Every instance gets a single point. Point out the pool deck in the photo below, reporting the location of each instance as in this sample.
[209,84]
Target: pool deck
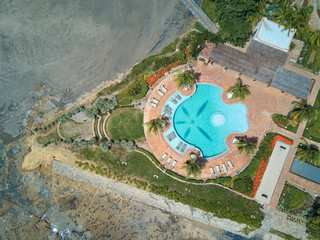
[261,104]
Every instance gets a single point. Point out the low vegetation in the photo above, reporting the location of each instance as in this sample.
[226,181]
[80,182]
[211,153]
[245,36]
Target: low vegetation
[285,122]
[292,198]
[125,123]
[312,130]
[138,168]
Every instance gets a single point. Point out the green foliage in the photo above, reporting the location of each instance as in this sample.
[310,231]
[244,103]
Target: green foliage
[283,235]
[61,117]
[170,48]
[243,185]
[234,18]
[155,125]
[303,111]
[185,79]
[129,145]
[313,225]
[208,198]
[102,105]
[279,118]
[292,198]
[199,27]
[309,154]
[244,146]
[164,61]
[263,151]
[192,168]
[239,90]
[125,123]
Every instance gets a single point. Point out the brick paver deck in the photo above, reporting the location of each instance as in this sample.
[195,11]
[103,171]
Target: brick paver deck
[261,104]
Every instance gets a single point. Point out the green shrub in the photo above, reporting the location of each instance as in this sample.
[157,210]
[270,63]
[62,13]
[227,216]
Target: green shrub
[279,118]
[292,197]
[170,48]
[243,185]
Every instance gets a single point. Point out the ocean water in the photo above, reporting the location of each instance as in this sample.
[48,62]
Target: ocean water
[204,120]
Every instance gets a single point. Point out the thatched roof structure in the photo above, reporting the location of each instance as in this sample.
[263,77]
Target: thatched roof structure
[262,62]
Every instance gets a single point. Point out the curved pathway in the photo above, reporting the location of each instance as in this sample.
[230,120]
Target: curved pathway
[98,127]
[58,130]
[193,183]
[104,125]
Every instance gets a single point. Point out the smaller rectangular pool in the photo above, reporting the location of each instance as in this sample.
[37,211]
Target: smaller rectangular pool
[305,170]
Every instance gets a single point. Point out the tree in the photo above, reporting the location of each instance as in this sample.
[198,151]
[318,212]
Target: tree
[155,125]
[313,225]
[315,37]
[260,11]
[192,167]
[239,90]
[244,146]
[303,111]
[185,79]
[307,153]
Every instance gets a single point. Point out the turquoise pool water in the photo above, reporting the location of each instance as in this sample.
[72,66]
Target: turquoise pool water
[204,121]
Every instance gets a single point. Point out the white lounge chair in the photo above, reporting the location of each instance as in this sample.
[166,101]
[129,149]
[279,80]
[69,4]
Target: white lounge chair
[155,100]
[163,89]
[230,164]
[211,171]
[153,104]
[218,169]
[173,164]
[168,161]
[163,157]
[160,93]
[224,167]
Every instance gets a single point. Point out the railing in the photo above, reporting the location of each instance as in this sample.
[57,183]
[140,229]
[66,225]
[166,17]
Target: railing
[214,27]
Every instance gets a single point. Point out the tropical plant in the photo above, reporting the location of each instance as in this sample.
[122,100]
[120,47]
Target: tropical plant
[307,153]
[185,79]
[303,111]
[313,225]
[244,146]
[260,11]
[315,37]
[155,125]
[192,167]
[239,90]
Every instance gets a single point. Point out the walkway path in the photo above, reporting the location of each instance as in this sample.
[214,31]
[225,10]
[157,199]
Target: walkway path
[200,15]
[98,127]
[285,174]
[104,125]
[145,197]
[58,130]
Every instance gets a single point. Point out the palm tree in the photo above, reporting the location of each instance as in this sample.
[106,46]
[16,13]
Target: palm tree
[254,16]
[286,16]
[303,111]
[192,167]
[244,146]
[155,125]
[315,37]
[308,154]
[239,90]
[185,79]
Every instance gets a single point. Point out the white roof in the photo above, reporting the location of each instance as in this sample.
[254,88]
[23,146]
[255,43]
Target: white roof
[273,34]
[272,173]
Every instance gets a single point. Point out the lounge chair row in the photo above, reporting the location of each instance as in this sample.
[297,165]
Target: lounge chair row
[168,160]
[223,167]
[162,91]
[154,102]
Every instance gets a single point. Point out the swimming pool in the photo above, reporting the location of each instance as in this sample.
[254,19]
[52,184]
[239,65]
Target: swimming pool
[305,170]
[203,120]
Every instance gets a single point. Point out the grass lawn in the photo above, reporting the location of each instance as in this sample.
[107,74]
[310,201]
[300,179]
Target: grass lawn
[292,198]
[209,198]
[312,131]
[208,7]
[51,136]
[125,123]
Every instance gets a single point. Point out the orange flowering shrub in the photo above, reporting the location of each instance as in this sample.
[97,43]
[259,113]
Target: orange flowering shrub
[159,74]
[264,163]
